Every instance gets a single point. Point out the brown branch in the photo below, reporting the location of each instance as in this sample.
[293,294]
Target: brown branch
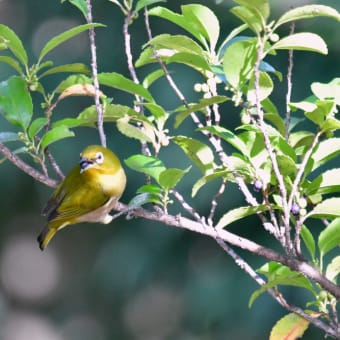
[243,243]
[100,114]
[27,168]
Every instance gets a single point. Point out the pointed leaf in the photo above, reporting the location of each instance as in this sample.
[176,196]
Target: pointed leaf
[333,269]
[261,6]
[119,82]
[303,42]
[169,178]
[148,165]
[308,240]
[144,3]
[328,208]
[326,183]
[265,88]
[252,18]
[14,44]
[60,38]
[80,4]
[325,151]
[242,212]
[36,126]
[74,68]
[290,327]
[54,135]
[152,77]
[8,137]
[308,11]
[329,238]
[16,102]
[198,152]
[132,131]
[11,62]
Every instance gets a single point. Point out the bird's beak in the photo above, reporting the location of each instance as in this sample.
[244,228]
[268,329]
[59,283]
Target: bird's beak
[85,163]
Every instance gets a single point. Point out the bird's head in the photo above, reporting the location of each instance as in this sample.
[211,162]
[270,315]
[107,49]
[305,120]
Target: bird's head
[98,158]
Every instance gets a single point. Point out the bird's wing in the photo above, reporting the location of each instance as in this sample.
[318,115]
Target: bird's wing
[75,199]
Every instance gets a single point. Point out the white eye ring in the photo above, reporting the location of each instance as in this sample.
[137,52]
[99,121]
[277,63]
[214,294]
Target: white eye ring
[99,158]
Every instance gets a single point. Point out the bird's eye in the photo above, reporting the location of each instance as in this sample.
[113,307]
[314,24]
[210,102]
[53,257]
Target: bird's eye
[99,158]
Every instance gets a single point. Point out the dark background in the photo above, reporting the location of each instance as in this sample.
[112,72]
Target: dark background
[132,279]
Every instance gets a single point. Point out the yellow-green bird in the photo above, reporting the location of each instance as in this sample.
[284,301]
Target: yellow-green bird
[87,194]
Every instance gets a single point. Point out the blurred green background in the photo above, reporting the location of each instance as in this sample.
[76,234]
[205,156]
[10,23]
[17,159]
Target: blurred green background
[132,279]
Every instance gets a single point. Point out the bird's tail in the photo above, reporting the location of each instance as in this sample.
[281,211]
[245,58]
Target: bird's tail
[45,236]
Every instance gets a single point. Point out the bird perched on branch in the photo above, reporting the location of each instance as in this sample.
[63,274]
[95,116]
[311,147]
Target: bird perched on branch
[87,194]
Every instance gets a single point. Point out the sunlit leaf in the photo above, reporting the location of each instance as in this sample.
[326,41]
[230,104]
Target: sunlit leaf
[144,3]
[60,38]
[241,212]
[122,83]
[36,126]
[328,208]
[68,68]
[16,102]
[333,269]
[197,151]
[308,11]
[54,135]
[290,327]
[14,44]
[329,238]
[303,42]
[148,165]
[169,178]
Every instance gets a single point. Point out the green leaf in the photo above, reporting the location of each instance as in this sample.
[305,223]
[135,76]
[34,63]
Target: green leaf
[119,82]
[325,183]
[178,20]
[238,62]
[250,17]
[291,326]
[156,110]
[208,178]
[229,137]
[303,42]
[112,112]
[328,91]
[148,165]
[11,62]
[80,4]
[54,135]
[308,240]
[325,151]
[200,106]
[150,189]
[70,68]
[260,6]
[277,275]
[306,12]
[241,212]
[169,178]
[205,22]
[195,61]
[132,131]
[60,38]
[328,208]
[8,137]
[36,126]
[144,3]
[329,238]
[74,79]
[14,44]
[197,151]
[16,102]
[265,88]
[333,269]
[71,122]
[152,77]
[179,43]
[143,198]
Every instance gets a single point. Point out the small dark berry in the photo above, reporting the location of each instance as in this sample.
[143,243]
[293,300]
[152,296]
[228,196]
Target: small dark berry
[258,185]
[295,209]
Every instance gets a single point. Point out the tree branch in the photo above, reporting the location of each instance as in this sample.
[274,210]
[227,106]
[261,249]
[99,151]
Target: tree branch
[100,114]
[27,168]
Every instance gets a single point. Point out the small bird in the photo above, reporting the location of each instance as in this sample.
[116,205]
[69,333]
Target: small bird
[87,194]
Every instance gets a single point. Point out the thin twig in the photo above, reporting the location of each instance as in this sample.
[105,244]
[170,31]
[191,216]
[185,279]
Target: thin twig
[294,264]
[54,164]
[100,114]
[273,293]
[289,82]
[27,168]
[186,206]
[214,202]
[270,150]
